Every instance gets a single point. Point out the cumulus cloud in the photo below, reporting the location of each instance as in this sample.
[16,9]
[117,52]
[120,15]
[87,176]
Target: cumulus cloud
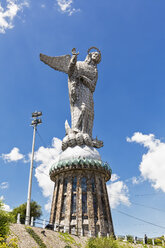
[46,157]
[4,185]
[114,177]
[8,13]
[13,156]
[137,180]
[118,192]
[5,207]
[65,6]
[152,166]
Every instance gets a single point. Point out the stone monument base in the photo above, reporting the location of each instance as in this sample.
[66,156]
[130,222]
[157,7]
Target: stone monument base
[80,202]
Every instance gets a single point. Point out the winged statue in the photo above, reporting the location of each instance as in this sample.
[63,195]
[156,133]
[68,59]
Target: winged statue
[82,79]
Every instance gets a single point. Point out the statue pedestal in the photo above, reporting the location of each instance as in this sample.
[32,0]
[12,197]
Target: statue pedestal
[80,201]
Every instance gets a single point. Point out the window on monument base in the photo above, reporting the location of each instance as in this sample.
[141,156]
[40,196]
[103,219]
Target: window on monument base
[84,184]
[65,185]
[85,217]
[58,187]
[101,186]
[74,184]
[73,203]
[84,203]
[93,184]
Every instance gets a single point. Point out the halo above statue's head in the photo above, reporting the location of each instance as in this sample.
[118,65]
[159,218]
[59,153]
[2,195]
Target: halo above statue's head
[97,51]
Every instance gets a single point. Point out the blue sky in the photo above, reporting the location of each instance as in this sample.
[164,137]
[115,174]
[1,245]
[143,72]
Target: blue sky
[129,99]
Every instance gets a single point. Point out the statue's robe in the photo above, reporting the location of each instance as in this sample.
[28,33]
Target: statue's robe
[81,97]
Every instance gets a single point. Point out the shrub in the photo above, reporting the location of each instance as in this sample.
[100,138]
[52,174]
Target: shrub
[12,243]
[69,240]
[130,238]
[158,241]
[149,241]
[102,242]
[5,220]
[35,237]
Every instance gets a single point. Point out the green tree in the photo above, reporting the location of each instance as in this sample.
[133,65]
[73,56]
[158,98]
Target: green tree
[5,220]
[35,211]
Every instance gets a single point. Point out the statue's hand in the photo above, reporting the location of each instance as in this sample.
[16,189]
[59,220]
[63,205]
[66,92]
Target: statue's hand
[74,51]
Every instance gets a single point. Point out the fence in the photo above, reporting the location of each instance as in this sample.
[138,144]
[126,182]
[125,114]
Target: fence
[145,240]
[42,223]
[72,229]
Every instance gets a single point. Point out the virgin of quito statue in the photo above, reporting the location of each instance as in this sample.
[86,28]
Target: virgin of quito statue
[80,202]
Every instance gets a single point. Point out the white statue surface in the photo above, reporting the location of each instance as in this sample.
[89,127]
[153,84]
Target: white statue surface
[82,79]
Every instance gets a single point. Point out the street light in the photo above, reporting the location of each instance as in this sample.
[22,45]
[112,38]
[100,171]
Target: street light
[34,123]
[36,114]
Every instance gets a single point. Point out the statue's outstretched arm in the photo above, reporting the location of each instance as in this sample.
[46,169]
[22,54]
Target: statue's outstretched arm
[73,62]
[72,65]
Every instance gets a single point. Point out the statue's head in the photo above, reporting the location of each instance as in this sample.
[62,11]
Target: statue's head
[94,57]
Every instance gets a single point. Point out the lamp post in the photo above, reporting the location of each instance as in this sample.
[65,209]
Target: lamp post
[34,123]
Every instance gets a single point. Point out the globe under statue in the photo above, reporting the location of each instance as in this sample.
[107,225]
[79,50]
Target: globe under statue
[80,202]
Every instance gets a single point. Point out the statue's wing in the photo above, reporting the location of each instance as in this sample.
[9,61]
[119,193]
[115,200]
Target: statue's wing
[60,63]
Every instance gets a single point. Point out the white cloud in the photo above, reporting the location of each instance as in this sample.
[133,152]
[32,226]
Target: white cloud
[137,180]
[43,5]
[13,156]
[117,192]
[66,6]
[8,13]
[4,185]
[152,166]
[2,198]
[46,156]
[114,177]
[5,206]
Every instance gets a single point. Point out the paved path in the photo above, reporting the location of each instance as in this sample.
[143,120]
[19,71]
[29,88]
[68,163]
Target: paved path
[51,239]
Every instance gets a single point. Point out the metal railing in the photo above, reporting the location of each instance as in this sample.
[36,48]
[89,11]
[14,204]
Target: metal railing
[72,229]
